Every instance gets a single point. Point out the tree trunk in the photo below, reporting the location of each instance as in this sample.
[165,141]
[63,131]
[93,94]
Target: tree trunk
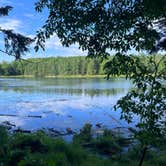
[143,156]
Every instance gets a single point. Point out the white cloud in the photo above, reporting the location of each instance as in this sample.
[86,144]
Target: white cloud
[55,44]
[73,51]
[5,1]
[13,24]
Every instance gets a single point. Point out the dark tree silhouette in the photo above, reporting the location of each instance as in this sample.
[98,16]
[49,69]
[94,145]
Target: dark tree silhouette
[15,44]
[103,25]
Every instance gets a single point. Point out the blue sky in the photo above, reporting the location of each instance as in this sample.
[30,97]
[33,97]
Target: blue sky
[25,20]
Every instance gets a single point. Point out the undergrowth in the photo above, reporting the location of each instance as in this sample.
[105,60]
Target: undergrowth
[37,149]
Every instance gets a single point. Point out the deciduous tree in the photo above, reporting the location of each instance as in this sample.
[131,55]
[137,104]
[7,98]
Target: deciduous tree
[100,26]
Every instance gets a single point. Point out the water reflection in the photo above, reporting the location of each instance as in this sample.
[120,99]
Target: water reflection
[90,87]
[88,92]
[61,102]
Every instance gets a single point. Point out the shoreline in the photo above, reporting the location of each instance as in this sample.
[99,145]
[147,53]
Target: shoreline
[62,76]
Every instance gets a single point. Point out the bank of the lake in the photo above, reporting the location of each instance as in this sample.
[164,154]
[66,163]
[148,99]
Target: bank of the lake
[54,76]
[61,76]
[38,149]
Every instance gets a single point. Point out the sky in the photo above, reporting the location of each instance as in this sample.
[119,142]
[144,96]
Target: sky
[25,20]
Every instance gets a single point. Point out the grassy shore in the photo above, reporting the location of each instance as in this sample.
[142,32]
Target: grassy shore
[76,76]
[62,76]
[18,76]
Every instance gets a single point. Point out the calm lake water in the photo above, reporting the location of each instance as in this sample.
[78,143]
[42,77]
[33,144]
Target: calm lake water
[61,103]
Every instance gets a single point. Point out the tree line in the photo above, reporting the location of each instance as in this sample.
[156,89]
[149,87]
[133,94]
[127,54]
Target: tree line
[53,66]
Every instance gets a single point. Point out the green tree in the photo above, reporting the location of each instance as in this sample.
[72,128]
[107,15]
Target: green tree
[102,25]
[119,25]
[148,98]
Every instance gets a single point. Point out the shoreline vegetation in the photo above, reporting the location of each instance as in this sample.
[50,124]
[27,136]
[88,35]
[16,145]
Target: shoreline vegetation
[85,149]
[61,76]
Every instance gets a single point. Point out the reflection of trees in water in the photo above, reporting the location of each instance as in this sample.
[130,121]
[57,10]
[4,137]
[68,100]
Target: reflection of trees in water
[89,92]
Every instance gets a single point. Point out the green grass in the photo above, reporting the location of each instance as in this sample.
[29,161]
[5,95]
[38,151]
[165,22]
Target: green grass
[17,76]
[76,76]
[62,76]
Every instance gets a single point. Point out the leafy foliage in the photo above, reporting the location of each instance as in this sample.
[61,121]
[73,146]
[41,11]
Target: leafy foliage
[37,149]
[148,98]
[120,25]
[16,44]
[103,25]
[5,10]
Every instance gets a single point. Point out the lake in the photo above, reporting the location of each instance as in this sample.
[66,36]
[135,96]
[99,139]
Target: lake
[57,103]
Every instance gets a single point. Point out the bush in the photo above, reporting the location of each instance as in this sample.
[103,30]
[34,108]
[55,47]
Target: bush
[37,149]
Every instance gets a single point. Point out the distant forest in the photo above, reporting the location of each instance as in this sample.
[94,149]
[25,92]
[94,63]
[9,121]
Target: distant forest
[53,66]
